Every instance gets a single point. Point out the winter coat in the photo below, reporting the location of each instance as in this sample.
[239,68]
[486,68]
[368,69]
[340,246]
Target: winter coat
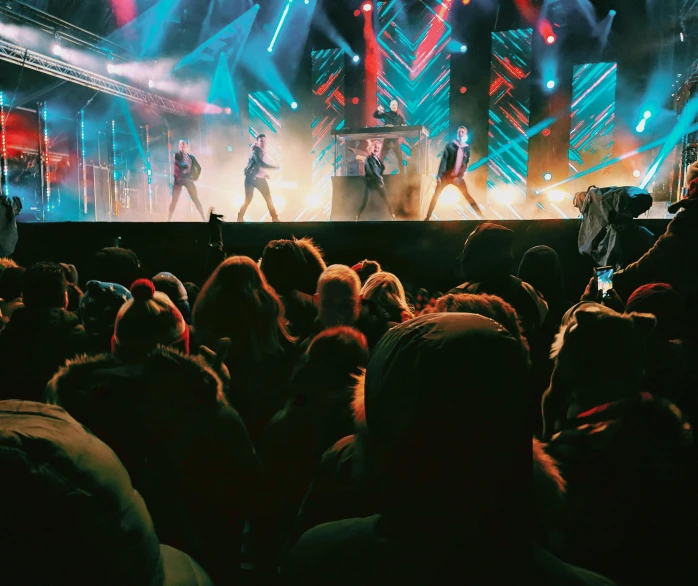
[69,511]
[188,453]
[33,345]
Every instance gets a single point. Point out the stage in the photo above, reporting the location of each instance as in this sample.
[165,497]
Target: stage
[421,253]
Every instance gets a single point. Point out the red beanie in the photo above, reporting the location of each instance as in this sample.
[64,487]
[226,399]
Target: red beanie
[146,321]
[659,299]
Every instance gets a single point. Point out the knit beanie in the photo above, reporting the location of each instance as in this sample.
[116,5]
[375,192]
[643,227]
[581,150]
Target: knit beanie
[659,299]
[100,305]
[171,286]
[146,321]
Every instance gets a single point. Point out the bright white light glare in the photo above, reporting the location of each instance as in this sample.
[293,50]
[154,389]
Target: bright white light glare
[505,196]
[647,114]
[450,195]
[110,68]
[313,200]
[636,173]
[56,49]
[550,84]
[270,48]
[151,83]
[550,39]
[548,176]
[279,202]
[681,36]
[641,126]
[537,192]
[355,58]
[463,48]
[367,7]
[294,105]
[556,195]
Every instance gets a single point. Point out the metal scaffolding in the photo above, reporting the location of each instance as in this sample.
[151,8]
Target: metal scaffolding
[58,68]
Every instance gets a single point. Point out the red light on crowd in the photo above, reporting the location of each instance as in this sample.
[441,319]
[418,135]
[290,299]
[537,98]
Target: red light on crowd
[367,7]
[355,100]
[550,39]
[463,89]
[546,132]
[357,12]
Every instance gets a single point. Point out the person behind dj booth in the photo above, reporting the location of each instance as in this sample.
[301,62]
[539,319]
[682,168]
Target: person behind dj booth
[374,168]
[452,170]
[392,117]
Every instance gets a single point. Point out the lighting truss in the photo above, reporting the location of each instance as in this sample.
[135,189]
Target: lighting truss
[57,68]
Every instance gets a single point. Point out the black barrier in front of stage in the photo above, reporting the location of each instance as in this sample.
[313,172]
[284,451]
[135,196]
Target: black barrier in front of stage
[405,192]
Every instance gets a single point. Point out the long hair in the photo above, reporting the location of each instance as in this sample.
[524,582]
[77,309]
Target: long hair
[386,291]
[237,303]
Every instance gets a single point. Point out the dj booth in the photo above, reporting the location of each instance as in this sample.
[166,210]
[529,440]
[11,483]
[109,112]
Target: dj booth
[407,191]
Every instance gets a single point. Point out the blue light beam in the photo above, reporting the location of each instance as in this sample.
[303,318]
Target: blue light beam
[278,28]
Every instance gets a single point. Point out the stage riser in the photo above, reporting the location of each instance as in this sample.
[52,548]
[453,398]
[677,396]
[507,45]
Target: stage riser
[420,253]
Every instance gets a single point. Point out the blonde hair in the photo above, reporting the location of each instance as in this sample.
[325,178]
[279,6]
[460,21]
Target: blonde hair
[386,291]
[238,303]
[340,274]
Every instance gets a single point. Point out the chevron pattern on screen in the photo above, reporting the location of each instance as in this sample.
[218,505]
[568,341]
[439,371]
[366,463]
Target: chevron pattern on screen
[509,111]
[416,68]
[327,106]
[593,116]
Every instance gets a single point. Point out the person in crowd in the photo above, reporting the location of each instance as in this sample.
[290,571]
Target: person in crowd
[171,286]
[238,303]
[366,268]
[114,265]
[74,296]
[386,291]
[318,414]
[438,521]
[98,310]
[71,273]
[11,290]
[166,416]
[285,267]
[193,291]
[9,210]
[486,264]
[7,263]
[62,481]
[488,305]
[41,335]
[422,300]
[627,455]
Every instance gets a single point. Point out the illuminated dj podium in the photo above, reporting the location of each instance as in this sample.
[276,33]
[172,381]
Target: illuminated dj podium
[406,190]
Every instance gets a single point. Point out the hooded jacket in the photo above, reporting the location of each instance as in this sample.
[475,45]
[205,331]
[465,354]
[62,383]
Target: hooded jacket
[72,514]
[188,453]
[448,160]
[33,345]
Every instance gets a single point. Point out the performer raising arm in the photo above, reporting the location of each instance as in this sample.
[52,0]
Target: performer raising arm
[186,171]
[392,117]
[374,180]
[452,170]
[256,178]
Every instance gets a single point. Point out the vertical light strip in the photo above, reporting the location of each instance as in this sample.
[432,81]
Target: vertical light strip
[3,145]
[47,172]
[278,28]
[83,162]
[148,169]
[113,162]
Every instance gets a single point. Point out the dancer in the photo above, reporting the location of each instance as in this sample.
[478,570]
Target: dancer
[452,170]
[186,171]
[392,117]
[256,178]
[374,180]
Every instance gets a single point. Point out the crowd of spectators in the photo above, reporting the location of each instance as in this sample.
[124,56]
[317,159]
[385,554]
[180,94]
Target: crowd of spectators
[293,421]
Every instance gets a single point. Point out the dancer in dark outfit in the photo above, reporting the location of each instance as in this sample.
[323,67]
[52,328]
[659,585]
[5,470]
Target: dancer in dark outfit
[452,170]
[374,181]
[392,117]
[186,171]
[256,178]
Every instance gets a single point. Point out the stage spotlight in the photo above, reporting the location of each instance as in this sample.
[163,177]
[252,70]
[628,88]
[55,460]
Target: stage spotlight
[647,115]
[548,176]
[546,132]
[550,39]
[612,13]
[463,89]
[228,111]
[307,1]
[550,84]
[294,105]
[357,12]
[229,148]
[56,49]
[556,195]
[636,173]
[537,192]
[110,68]
[641,126]
[466,2]
[151,83]
[463,48]
[355,58]
[505,196]
[355,100]
[367,7]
